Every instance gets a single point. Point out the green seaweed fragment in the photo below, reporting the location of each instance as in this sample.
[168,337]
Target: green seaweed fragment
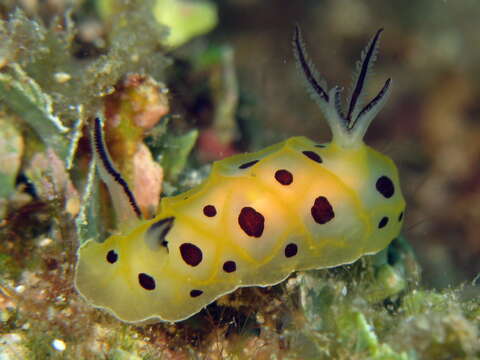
[219,63]
[11,151]
[24,96]
[186,19]
[175,152]
[354,329]
[87,221]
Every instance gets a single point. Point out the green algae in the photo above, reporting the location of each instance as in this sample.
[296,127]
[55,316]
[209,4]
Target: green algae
[400,320]
[53,90]
[24,96]
[174,153]
[11,152]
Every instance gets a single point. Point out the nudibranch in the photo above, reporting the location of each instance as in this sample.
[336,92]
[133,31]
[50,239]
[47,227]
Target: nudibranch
[295,205]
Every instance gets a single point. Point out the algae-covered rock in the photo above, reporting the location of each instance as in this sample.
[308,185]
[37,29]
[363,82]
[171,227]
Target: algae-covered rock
[119,354]
[12,347]
[52,181]
[375,309]
[185,18]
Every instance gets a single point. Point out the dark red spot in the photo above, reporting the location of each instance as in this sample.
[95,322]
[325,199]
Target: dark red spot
[385,186]
[195,293]
[209,211]
[383,222]
[229,266]
[251,222]
[112,257]
[146,281]
[284,177]
[248,164]
[400,217]
[291,250]
[320,145]
[191,254]
[322,211]
[312,155]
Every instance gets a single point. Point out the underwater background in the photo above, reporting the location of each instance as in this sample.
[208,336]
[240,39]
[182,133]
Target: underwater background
[205,80]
